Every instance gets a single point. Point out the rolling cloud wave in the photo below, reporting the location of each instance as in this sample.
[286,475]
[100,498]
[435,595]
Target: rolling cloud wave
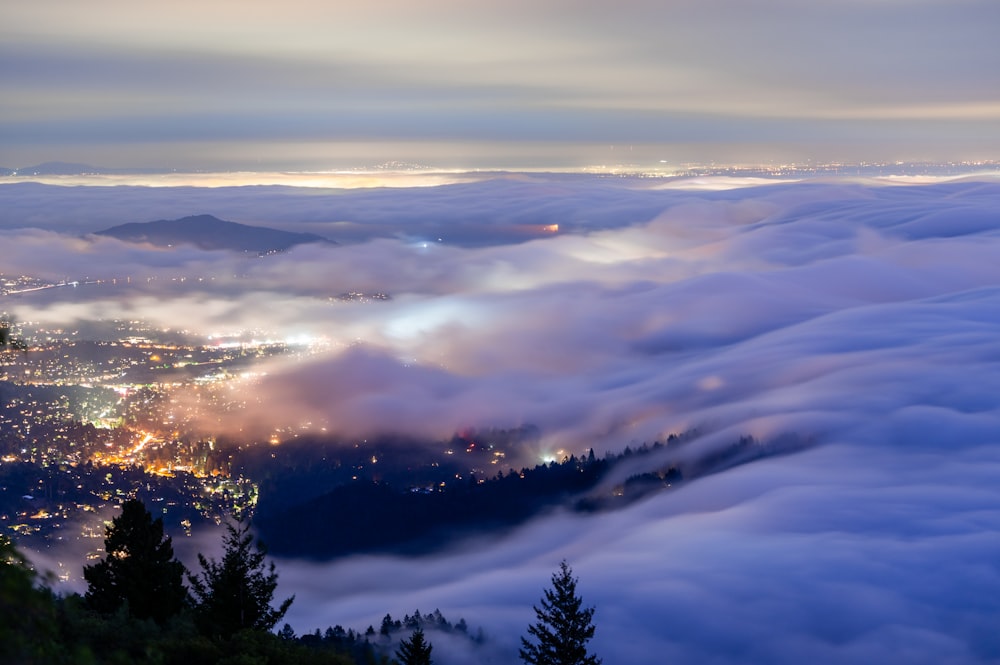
[859,315]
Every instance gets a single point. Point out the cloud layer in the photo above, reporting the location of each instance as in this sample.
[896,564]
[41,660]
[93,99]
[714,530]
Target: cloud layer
[860,315]
[299,83]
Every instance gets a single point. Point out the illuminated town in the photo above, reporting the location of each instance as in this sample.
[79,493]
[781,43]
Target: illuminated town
[85,423]
[117,409]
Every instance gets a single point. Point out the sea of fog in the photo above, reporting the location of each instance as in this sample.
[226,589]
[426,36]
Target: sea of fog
[860,316]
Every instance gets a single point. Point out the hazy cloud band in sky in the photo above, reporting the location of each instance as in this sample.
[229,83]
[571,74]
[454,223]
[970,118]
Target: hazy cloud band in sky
[302,83]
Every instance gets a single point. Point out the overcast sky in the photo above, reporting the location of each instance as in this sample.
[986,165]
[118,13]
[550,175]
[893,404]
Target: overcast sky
[316,84]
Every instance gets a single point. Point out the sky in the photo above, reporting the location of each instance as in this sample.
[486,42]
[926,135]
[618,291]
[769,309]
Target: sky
[306,84]
[857,315]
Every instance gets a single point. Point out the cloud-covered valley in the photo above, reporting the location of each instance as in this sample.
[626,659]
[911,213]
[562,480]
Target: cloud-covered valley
[859,315]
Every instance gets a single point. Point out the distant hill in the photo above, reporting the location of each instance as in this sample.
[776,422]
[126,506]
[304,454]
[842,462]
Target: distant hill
[332,507]
[57,168]
[208,232]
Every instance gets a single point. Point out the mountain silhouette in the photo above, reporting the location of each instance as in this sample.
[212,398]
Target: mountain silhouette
[208,232]
[59,168]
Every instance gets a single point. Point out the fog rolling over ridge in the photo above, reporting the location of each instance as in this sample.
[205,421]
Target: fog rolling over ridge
[860,315]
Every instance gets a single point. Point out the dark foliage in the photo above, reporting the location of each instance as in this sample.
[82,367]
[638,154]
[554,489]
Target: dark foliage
[415,651]
[27,616]
[373,646]
[308,467]
[139,570]
[119,639]
[563,628]
[38,627]
[372,515]
[235,594]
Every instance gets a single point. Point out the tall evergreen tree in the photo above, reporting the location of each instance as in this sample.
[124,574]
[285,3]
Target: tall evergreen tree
[236,593]
[415,651]
[563,627]
[139,568]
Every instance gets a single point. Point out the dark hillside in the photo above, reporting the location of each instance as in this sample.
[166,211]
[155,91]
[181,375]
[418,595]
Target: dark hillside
[208,232]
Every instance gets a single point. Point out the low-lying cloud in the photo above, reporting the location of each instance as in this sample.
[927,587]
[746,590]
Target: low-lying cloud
[860,316]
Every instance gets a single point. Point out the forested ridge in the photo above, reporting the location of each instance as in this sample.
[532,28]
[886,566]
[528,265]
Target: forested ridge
[143,606]
[225,614]
[372,514]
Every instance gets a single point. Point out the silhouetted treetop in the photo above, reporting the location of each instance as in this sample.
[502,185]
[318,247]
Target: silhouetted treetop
[235,593]
[563,626]
[139,569]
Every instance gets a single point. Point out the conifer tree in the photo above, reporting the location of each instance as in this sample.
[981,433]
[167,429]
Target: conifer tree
[235,594]
[563,627]
[415,651]
[139,568]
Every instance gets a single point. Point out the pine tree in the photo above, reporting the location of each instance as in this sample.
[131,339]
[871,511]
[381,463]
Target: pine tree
[236,593]
[563,626]
[139,568]
[386,626]
[415,651]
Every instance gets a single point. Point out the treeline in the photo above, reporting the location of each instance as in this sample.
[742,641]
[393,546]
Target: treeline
[143,606]
[309,466]
[372,645]
[374,516]
[137,607]
[369,514]
[137,611]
